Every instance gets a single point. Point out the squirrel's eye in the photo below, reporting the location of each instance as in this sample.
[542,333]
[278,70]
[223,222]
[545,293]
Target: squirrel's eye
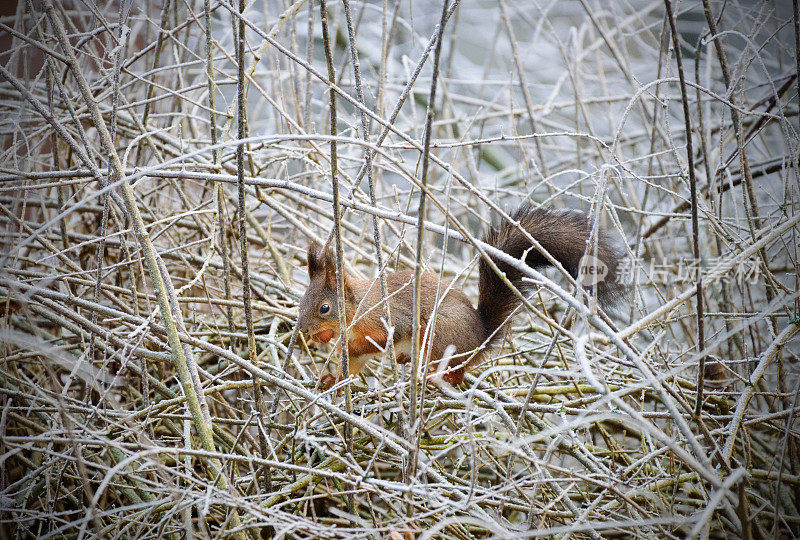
[324,308]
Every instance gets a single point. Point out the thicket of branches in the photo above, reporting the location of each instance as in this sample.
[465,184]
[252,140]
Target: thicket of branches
[153,248]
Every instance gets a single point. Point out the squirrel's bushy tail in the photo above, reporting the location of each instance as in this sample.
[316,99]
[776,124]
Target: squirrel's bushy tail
[565,235]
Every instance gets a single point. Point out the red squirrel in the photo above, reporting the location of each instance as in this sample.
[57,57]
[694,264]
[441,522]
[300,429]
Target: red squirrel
[472,331]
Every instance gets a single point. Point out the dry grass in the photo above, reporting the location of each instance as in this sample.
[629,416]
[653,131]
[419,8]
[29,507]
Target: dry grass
[144,392]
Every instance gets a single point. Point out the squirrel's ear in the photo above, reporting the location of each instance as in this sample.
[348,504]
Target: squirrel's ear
[330,278]
[330,269]
[326,262]
[316,264]
[348,290]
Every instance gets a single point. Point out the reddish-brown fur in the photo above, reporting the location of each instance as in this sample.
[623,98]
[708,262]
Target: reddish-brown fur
[468,329]
[365,335]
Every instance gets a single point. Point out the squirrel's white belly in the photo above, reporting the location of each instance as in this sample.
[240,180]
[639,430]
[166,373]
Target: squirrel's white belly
[402,347]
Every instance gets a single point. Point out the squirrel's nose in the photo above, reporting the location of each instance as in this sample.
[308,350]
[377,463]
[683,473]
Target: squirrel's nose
[303,326]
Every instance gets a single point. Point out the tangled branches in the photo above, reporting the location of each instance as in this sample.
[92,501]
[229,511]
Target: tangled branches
[164,166]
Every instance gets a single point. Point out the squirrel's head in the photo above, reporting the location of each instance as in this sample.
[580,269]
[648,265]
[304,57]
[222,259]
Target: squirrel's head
[319,307]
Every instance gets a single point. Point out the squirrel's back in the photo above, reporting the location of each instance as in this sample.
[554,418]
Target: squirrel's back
[454,311]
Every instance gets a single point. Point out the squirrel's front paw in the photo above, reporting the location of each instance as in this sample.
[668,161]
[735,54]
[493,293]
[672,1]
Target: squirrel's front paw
[454,377]
[327,381]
